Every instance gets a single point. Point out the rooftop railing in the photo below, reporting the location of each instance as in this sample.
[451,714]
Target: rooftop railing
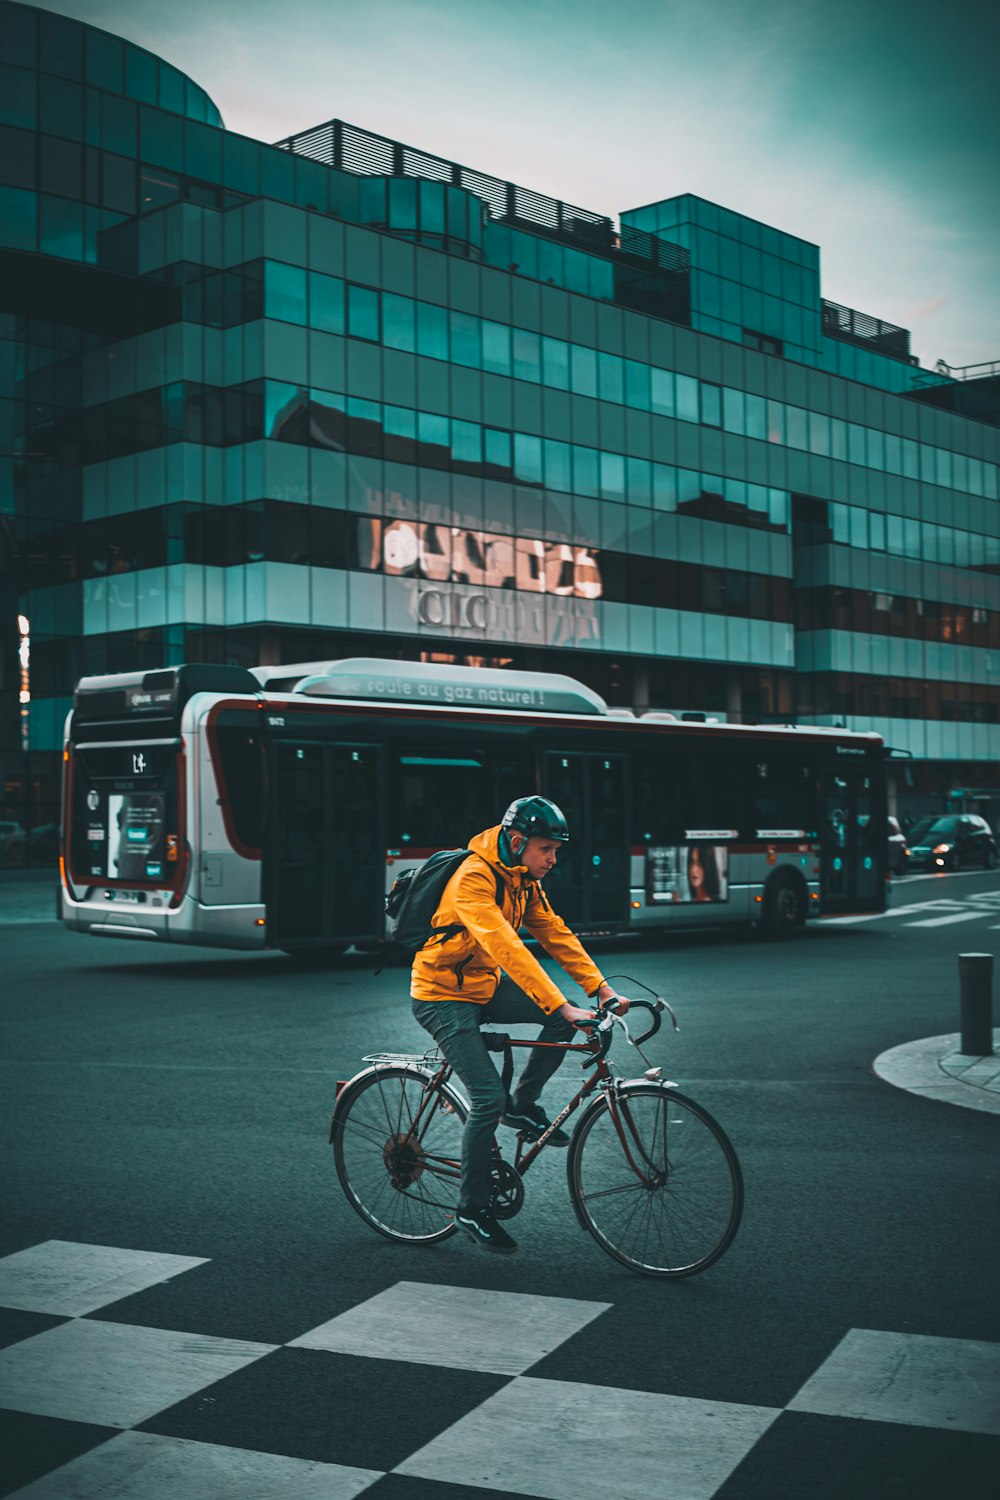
[349,149]
[867,332]
[988,369]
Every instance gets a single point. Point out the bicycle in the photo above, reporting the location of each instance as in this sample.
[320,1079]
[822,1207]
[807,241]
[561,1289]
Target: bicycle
[652,1176]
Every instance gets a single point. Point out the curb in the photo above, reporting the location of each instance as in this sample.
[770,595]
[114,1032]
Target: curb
[935,1069]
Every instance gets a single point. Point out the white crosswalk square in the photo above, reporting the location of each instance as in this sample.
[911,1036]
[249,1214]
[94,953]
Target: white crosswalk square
[586,1442]
[465,1328]
[141,1466]
[114,1374]
[910,1378]
[63,1276]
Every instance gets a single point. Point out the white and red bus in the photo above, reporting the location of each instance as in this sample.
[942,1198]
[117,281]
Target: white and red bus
[274,808]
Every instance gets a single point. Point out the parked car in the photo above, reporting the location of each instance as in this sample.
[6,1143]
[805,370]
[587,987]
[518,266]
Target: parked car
[897,847]
[43,844]
[949,841]
[13,845]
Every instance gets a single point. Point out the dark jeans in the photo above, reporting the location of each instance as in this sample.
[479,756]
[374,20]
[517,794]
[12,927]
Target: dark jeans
[454,1025]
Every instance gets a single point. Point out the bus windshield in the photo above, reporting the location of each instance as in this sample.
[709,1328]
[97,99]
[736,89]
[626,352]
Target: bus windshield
[124,804]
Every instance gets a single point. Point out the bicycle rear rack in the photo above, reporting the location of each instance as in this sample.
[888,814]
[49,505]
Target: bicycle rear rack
[429,1059]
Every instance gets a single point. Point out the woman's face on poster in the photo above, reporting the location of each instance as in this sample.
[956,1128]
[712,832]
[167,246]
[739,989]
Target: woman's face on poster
[696,870]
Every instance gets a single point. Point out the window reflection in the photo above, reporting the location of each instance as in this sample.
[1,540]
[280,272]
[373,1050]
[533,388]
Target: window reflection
[480,343]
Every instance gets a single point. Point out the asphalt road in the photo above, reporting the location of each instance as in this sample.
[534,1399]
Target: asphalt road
[178,1102]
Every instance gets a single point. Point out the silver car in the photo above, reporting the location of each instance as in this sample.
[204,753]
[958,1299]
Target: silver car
[897,847]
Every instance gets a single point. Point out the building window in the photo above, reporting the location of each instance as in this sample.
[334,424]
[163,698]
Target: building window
[711,404]
[762,341]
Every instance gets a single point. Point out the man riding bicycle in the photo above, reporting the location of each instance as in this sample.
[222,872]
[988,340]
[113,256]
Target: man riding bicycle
[482,973]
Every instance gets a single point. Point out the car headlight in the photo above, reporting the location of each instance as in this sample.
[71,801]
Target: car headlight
[942,848]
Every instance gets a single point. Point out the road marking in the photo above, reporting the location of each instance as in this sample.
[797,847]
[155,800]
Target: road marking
[944,905]
[71,1279]
[115,1374]
[896,911]
[465,1328]
[953,909]
[915,1379]
[962,916]
[134,1464]
[555,1457]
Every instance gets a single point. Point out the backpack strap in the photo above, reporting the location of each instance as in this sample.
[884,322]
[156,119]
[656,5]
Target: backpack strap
[442,934]
[496,876]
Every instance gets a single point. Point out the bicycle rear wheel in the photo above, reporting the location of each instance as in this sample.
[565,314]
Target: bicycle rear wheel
[656,1181]
[396,1148]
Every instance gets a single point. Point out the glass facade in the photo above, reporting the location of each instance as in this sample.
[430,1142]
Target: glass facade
[263,406]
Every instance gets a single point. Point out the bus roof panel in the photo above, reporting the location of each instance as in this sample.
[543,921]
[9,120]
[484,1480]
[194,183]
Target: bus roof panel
[372,679]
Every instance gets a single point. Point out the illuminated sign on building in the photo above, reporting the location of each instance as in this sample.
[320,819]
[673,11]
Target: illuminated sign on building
[450,554]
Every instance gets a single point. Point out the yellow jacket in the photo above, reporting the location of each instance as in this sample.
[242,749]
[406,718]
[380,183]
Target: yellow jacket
[467,966]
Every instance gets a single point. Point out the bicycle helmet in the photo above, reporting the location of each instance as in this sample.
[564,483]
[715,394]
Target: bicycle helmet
[535,817]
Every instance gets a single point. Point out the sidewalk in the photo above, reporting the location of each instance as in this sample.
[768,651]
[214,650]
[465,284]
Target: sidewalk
[936,1069]
[28,895]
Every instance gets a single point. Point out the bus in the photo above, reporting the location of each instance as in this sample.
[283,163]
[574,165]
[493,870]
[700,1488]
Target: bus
[274,808]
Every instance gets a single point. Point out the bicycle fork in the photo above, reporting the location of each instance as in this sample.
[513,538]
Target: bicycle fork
[653,1176]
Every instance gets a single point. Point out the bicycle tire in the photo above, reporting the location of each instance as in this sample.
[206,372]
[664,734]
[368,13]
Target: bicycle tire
[683,1215]
[382,1171]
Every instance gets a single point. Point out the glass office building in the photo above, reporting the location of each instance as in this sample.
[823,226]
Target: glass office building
[336,396]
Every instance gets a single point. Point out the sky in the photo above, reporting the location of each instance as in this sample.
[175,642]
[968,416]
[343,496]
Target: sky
[869,127]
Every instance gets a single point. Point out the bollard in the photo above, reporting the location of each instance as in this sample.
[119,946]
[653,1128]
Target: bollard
[975,973]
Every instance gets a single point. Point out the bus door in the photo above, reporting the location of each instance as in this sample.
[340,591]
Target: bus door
[324,867]
[590,883]
[853,840]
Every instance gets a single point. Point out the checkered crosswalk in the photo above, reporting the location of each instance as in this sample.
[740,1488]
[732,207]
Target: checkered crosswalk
[113,1408]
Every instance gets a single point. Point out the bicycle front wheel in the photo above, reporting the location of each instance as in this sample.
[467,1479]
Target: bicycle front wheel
[397,1144]
[655,1180]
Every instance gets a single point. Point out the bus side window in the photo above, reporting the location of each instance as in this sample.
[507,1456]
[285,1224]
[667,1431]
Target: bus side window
[509,774]
[439,801]
[654,812]
[239,774]
[708,792]
[779,793]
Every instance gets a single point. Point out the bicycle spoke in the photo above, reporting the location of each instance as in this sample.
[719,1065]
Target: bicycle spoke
[397,1154]
[610,1192]
[670,1203]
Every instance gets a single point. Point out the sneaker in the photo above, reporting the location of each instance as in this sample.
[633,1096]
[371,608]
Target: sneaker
[532,1121]
[485,1230]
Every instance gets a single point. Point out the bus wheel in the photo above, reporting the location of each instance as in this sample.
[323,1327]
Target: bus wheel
[784,907]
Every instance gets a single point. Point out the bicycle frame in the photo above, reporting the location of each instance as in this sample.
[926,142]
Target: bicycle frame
[528,1152]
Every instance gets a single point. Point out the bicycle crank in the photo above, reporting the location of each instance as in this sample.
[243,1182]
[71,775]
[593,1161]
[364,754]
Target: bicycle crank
[508,1191]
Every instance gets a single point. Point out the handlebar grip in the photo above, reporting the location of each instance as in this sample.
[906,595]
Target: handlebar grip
[655,1012]
[604,1037]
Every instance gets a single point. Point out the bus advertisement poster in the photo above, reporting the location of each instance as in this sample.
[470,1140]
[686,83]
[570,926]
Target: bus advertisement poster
[687,873]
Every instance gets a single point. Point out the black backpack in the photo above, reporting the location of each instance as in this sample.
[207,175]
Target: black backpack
[416,895]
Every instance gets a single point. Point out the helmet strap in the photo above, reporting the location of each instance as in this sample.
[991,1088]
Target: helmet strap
[506,852]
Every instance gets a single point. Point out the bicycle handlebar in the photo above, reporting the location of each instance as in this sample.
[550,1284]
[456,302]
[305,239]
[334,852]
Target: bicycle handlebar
[605,1026]
[655,1008]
